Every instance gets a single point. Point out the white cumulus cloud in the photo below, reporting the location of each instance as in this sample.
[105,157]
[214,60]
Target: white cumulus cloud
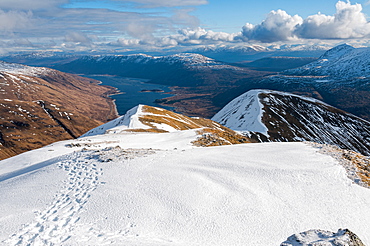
[278,26]
[348,22]
[200,34]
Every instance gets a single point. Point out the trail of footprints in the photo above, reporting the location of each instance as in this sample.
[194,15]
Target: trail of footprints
[54,225]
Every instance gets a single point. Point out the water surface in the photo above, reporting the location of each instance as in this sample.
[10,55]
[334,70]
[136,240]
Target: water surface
[131,92]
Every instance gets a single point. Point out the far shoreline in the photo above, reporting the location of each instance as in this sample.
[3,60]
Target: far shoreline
[113,91]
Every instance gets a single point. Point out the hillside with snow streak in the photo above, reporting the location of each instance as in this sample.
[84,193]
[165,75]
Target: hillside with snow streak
[284,117]
[342,62]
[39,106]
[152,188]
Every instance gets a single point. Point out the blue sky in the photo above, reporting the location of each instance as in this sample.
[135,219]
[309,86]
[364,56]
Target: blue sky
[144,25]
[237,12]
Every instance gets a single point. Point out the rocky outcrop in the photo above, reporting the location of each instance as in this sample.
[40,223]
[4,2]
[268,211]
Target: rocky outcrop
[343,237]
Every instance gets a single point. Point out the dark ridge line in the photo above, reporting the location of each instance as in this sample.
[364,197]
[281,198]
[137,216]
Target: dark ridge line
[48,112]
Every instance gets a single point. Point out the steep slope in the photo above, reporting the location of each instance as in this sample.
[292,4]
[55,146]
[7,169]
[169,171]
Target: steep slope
[343,62]
[277,116]
[150,188]
[39,106]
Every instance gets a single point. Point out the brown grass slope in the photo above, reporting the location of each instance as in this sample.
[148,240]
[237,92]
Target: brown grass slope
[36,111]
[210,133]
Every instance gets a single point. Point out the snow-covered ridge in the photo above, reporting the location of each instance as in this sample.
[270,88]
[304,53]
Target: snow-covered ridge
[342,62]
[245,112]
[128,121]
[281,116]
[154,189]
[191,60]
[14,68]
[144,118]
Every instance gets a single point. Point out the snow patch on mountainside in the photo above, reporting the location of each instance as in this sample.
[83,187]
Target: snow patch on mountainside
[190,60]
[342,62]
[244,113]
[128,121]
[14,68]
[286,117]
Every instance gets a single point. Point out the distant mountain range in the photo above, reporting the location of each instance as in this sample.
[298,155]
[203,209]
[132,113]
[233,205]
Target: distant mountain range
[183,69]
[341,62]
[255,52]
[230,54]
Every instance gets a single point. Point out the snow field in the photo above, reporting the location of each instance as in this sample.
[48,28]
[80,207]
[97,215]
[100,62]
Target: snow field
[249,194]
[243,113]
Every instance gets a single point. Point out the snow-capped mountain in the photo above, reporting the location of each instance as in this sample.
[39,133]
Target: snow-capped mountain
[254,52]
[14,68]
[46,59]
[176,70]
[343,62]
[279,116]
[188,60]
[119,187]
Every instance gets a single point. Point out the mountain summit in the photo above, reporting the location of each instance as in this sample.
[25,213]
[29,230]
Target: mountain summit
[144,118]
[284,117]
